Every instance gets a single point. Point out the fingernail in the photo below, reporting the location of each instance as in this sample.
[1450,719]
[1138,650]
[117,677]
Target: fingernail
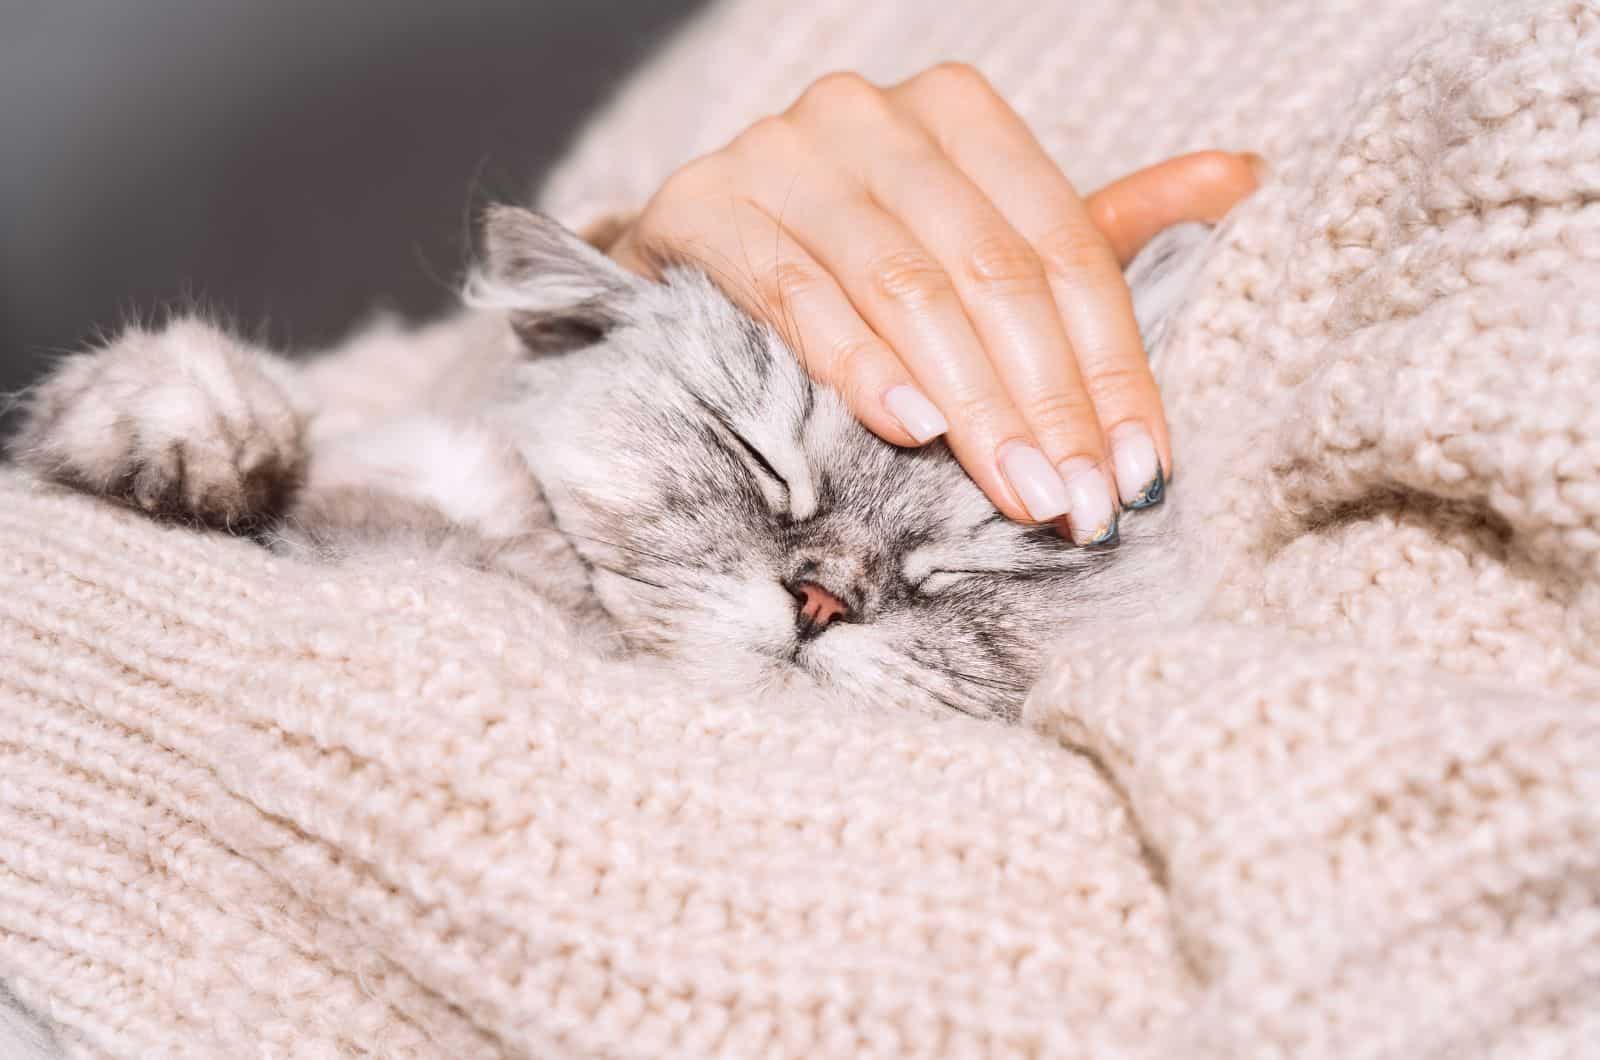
[1140,482]
[1258,165]
[1035,481]
[1092,513]
[916,413]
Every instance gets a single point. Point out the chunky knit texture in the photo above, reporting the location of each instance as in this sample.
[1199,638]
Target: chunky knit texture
[250,807]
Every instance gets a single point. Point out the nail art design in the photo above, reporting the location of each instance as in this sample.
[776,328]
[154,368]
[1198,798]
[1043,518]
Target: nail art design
[1140,480]
[1151,494]
[1092,516]
[1108,535]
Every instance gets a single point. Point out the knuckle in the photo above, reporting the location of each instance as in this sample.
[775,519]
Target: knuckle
[908,277]
[1058,410]
[766,137]
[841,90]
[850,360]
[1004,261]
[982,412]
[1120,380]
[957,79]
[788,280]
[690,181]
[1076,255]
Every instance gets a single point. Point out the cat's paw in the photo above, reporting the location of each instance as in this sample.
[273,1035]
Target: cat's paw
[185,422]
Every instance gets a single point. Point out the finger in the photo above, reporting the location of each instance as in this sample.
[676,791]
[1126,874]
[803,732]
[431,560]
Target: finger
[763,269]
[1202,186]
[1008,295]
[905,297]
[982,136]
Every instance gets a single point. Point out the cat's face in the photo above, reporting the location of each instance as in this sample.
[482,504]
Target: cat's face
[736,518]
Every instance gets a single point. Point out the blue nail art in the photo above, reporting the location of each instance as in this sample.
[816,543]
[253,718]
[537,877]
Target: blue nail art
[1107,538]
[1154,492]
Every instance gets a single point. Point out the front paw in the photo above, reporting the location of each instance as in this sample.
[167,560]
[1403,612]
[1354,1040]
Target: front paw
[185,422]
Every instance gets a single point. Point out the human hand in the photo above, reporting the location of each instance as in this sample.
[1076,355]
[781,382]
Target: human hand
[927,259]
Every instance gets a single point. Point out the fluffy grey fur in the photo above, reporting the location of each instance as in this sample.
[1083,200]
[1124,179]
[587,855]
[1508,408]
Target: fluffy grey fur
[644,453]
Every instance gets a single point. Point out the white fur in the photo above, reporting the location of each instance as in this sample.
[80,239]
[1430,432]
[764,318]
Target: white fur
[22,1036]
[473,477]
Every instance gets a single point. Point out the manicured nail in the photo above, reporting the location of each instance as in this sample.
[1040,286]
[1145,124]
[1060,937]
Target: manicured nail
[916,413]
[1035,481]
[1092,513]
[1140,482]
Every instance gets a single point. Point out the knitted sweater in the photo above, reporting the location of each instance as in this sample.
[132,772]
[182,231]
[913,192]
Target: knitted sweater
[252,807]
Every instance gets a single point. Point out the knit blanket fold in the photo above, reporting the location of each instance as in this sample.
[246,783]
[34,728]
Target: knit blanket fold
[1342,836]
[1350,807]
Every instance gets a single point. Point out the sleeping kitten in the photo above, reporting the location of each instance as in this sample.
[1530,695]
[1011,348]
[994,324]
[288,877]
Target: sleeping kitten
[642,453]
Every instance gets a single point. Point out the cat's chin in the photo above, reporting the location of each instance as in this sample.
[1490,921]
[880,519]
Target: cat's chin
[778,680]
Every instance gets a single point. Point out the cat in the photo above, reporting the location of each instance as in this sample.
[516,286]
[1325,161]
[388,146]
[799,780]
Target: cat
[642,453]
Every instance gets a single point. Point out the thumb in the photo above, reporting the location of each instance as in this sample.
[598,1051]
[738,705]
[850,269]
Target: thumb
[1198,187]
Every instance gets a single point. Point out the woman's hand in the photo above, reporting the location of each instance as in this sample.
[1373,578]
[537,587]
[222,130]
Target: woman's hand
[926,257]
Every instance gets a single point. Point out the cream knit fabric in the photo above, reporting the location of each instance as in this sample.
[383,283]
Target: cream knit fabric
[255,808]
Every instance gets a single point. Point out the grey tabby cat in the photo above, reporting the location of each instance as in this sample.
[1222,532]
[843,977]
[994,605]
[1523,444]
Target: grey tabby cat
[643,453]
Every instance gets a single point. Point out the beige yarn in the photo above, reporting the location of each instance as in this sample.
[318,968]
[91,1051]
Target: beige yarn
[255,808]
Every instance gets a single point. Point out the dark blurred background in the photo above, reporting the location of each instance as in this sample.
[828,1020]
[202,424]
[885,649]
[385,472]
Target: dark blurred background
[295,164]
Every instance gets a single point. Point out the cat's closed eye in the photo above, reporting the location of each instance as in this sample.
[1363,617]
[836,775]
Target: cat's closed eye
[760,461]
[774,487]
[938,580]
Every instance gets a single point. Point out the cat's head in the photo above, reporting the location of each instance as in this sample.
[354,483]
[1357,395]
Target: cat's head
[737,519]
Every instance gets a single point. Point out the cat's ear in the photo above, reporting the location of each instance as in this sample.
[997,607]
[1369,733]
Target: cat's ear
[560,292]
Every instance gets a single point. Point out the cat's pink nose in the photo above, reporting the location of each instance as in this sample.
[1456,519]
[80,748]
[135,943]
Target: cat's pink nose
[819,608]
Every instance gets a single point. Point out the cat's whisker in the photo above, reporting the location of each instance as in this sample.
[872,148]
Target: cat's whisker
[942,699]
[916,678]
[658,557]
[630,577]
[1007,572]
[994,683]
